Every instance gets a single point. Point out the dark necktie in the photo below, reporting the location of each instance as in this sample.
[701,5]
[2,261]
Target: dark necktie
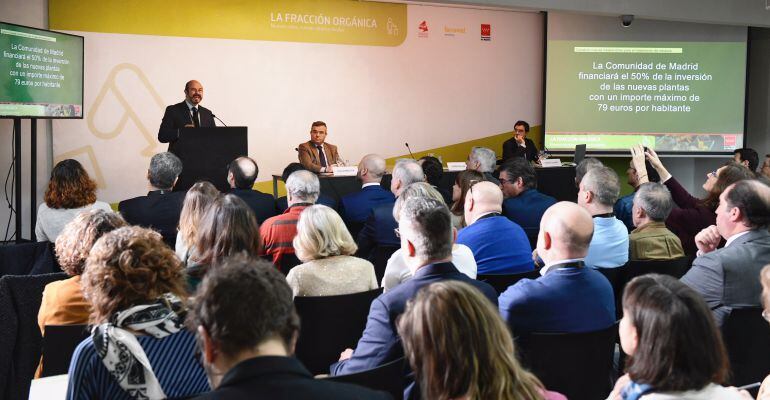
[321,154]
[195,117]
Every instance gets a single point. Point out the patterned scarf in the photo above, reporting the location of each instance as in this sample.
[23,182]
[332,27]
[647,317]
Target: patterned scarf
[121,352]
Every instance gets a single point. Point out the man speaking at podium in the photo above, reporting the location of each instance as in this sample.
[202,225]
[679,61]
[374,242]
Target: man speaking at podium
[187,114]
[316,155]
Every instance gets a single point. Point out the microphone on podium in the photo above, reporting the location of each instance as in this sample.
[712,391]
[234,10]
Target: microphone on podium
[223,122]
[410,150]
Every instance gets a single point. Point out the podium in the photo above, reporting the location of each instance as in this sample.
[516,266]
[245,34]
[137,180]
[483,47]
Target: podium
[206,153]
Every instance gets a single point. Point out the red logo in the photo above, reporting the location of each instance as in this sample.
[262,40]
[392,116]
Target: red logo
[731,141]
[423,26]
[486,32]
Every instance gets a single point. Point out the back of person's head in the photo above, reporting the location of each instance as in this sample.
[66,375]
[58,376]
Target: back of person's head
[752,198]
[407,172]
[76,239]
[426,223]
[129,266]
[228,227]
[164,169]
[485,157]
[464,181]
[750,156]
[290,169]
[570,229]
[603,182]
[70,186]
[670,335]
[245,303]
[519,167]
[655,200]
[459,346]
[303,186]
[730,173]
[244,171]
[321,233]
[374,165]
[483,197]
[417,189]
[197,200]
[433,169]
[584,166]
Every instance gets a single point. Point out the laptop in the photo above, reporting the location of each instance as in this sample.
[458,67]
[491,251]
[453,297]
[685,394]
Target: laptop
[580,153]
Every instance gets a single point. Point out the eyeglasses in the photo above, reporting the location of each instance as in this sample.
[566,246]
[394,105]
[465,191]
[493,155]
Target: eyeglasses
[397,232]
[712,174]
[471,183]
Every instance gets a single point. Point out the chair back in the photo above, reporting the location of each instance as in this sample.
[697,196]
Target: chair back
[28,259]
[676,268]
[288,261]
[59,343]
[379,258]
[388,377]
[747,338]
[20,348]
[578,365]
[617,278]
[330,324]
[503,281]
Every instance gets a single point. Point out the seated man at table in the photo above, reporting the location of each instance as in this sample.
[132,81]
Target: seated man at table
[523,204]
[598,192]
[281,202]
[241,174]
[356,207]
[499,245]
[520,145]
[651,240]
[316,155]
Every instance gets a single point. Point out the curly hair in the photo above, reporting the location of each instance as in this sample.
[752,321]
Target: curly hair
[76,239]
[129,266]
[70,186]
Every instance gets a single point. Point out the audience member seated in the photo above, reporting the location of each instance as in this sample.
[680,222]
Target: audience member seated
[569,296]
[197,200]
[499,245]
[380,224]
[426,241]
[246,326]
[69,192]
[727,277]
[138,347]
[692,215]
[463,182]
[583,167]
[674,347]
[450,330]
[434,172]
[396,271]
[747,157]
[652,240]
[356,207]
[598,192]
[523,204]
[282,201]
[228,227]
[241,175]
[326,248]
[624,204]
[160,208]
[302,189]
[483,160]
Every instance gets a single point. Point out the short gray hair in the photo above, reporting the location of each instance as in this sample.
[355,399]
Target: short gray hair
[655,200]
[417,189]
[603,182]
[430,225]
[584,166]
[164,169]
[303,185]
[408,172]
[485,157]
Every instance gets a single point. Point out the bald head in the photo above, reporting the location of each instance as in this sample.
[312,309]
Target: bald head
[371,168]
[242,173]
[483,198]
[566,230]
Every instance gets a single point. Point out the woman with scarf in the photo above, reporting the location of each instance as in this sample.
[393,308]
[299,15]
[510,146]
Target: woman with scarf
[138,348]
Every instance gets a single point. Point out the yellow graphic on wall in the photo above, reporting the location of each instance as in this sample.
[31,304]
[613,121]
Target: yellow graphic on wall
[330,21]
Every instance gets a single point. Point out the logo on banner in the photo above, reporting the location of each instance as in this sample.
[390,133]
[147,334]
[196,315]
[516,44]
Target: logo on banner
[731,142]
[423,29]
[453,31]
[486,32]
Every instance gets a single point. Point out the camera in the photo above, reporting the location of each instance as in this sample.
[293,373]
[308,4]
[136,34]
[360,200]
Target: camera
[626,20]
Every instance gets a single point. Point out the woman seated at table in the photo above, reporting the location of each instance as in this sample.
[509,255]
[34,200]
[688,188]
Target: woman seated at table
[326,248]
[139,347]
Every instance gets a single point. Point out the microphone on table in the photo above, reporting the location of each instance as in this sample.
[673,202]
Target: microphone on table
[223,122]
[410,150]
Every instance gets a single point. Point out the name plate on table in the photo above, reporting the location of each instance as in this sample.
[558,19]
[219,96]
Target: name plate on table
[345,171]
[456,166]
[550,162]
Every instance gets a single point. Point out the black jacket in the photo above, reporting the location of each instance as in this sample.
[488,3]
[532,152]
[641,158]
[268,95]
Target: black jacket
[158,210]
[176,117]
[263,204]
[512,149]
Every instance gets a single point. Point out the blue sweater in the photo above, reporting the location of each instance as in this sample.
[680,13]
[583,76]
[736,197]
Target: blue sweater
[623,211]
[527,209]
[498,245]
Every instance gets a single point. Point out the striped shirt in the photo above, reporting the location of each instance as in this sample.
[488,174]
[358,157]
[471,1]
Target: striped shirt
[278,232]
[172,359]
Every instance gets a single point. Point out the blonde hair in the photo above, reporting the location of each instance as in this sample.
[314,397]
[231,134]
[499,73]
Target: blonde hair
[197,200]
[321,233]
[459,346]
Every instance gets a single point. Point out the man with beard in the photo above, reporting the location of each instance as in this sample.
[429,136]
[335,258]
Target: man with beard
[187,114]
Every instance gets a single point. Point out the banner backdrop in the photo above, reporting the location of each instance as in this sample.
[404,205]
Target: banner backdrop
[379,74]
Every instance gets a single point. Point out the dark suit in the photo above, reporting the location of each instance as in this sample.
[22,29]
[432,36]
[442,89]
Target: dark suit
[263,204]
[512,149]
[310,159]
[378,230]
[158,210]
[527,209]
[356,207]
[176,117]
[380,342]
[274,377]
